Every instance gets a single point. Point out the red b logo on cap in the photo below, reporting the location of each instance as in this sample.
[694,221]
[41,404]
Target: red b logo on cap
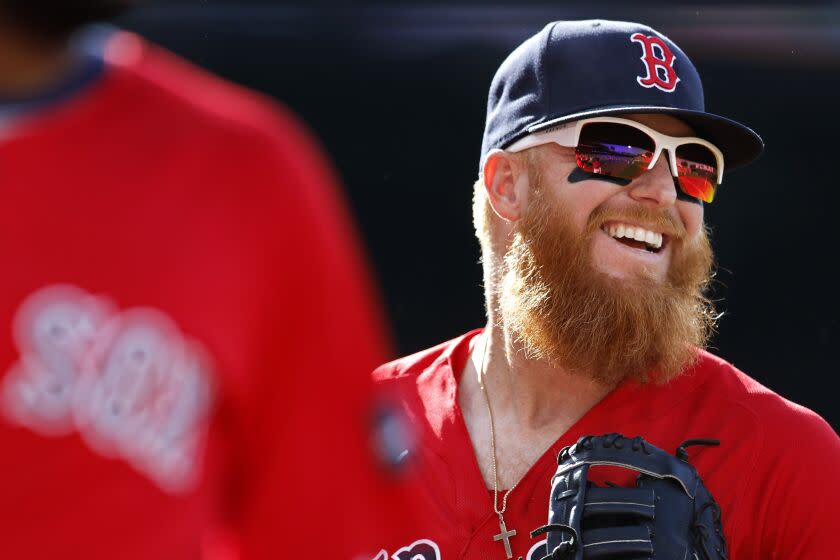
[659,62]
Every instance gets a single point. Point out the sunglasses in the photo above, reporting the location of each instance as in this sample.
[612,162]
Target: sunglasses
[624,149]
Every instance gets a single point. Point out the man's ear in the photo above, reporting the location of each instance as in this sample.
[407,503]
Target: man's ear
[506,182]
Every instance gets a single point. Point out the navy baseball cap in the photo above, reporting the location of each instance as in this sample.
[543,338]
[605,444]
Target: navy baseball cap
[577,69]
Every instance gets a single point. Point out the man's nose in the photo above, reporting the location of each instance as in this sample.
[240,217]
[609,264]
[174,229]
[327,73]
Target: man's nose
[655,187]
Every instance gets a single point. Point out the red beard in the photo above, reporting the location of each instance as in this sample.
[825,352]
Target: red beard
[564,311]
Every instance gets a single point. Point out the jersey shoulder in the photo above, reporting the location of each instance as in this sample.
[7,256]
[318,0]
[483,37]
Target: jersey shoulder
[163,105]
[156,75]
[413,365]
[758,407]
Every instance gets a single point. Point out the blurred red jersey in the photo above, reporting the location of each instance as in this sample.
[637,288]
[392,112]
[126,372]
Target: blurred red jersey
[187,325]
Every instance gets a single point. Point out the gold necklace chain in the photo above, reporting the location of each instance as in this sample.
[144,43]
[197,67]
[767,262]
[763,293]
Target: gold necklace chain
[481,374]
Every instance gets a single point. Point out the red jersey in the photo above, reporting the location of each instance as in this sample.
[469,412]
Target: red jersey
[775,474]
[185,317]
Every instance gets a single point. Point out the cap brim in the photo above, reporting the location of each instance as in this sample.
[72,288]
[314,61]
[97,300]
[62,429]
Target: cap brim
[739,144]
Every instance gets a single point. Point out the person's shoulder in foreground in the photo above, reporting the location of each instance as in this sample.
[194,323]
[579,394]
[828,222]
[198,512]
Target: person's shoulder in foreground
[166,89]
[152,208]
[589,210]
[272,176]
[155,69]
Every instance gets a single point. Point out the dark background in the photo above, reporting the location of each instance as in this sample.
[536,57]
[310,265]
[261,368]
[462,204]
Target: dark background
[396,92]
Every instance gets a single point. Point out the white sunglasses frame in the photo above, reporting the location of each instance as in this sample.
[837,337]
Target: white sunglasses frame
[568,135]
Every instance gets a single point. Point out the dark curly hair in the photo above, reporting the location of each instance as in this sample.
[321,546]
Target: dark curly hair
[57,19]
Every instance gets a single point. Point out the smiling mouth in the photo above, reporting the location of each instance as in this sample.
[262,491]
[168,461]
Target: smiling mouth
[636,236]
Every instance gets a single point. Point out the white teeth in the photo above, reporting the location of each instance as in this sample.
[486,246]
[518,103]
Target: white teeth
[651,238]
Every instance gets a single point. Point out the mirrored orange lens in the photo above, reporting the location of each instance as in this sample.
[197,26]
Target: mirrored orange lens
[697,171]
[698,187]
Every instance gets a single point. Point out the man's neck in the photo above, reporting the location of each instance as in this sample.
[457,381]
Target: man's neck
[533,404]
[29,65]
[532,391]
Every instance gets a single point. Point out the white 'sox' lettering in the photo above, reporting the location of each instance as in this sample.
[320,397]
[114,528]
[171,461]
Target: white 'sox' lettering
[129,382]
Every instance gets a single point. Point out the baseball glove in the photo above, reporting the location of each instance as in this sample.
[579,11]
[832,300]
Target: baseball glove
[669,515]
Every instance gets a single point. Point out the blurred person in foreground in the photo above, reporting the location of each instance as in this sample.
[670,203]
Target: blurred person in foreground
[594,279]
[185,311]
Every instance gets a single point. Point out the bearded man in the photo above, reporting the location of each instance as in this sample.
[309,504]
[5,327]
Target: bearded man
[597,160]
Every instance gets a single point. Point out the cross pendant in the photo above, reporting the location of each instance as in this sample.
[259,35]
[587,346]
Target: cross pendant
[505,536]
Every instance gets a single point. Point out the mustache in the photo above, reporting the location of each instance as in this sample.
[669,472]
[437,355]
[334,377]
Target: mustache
[659,220]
